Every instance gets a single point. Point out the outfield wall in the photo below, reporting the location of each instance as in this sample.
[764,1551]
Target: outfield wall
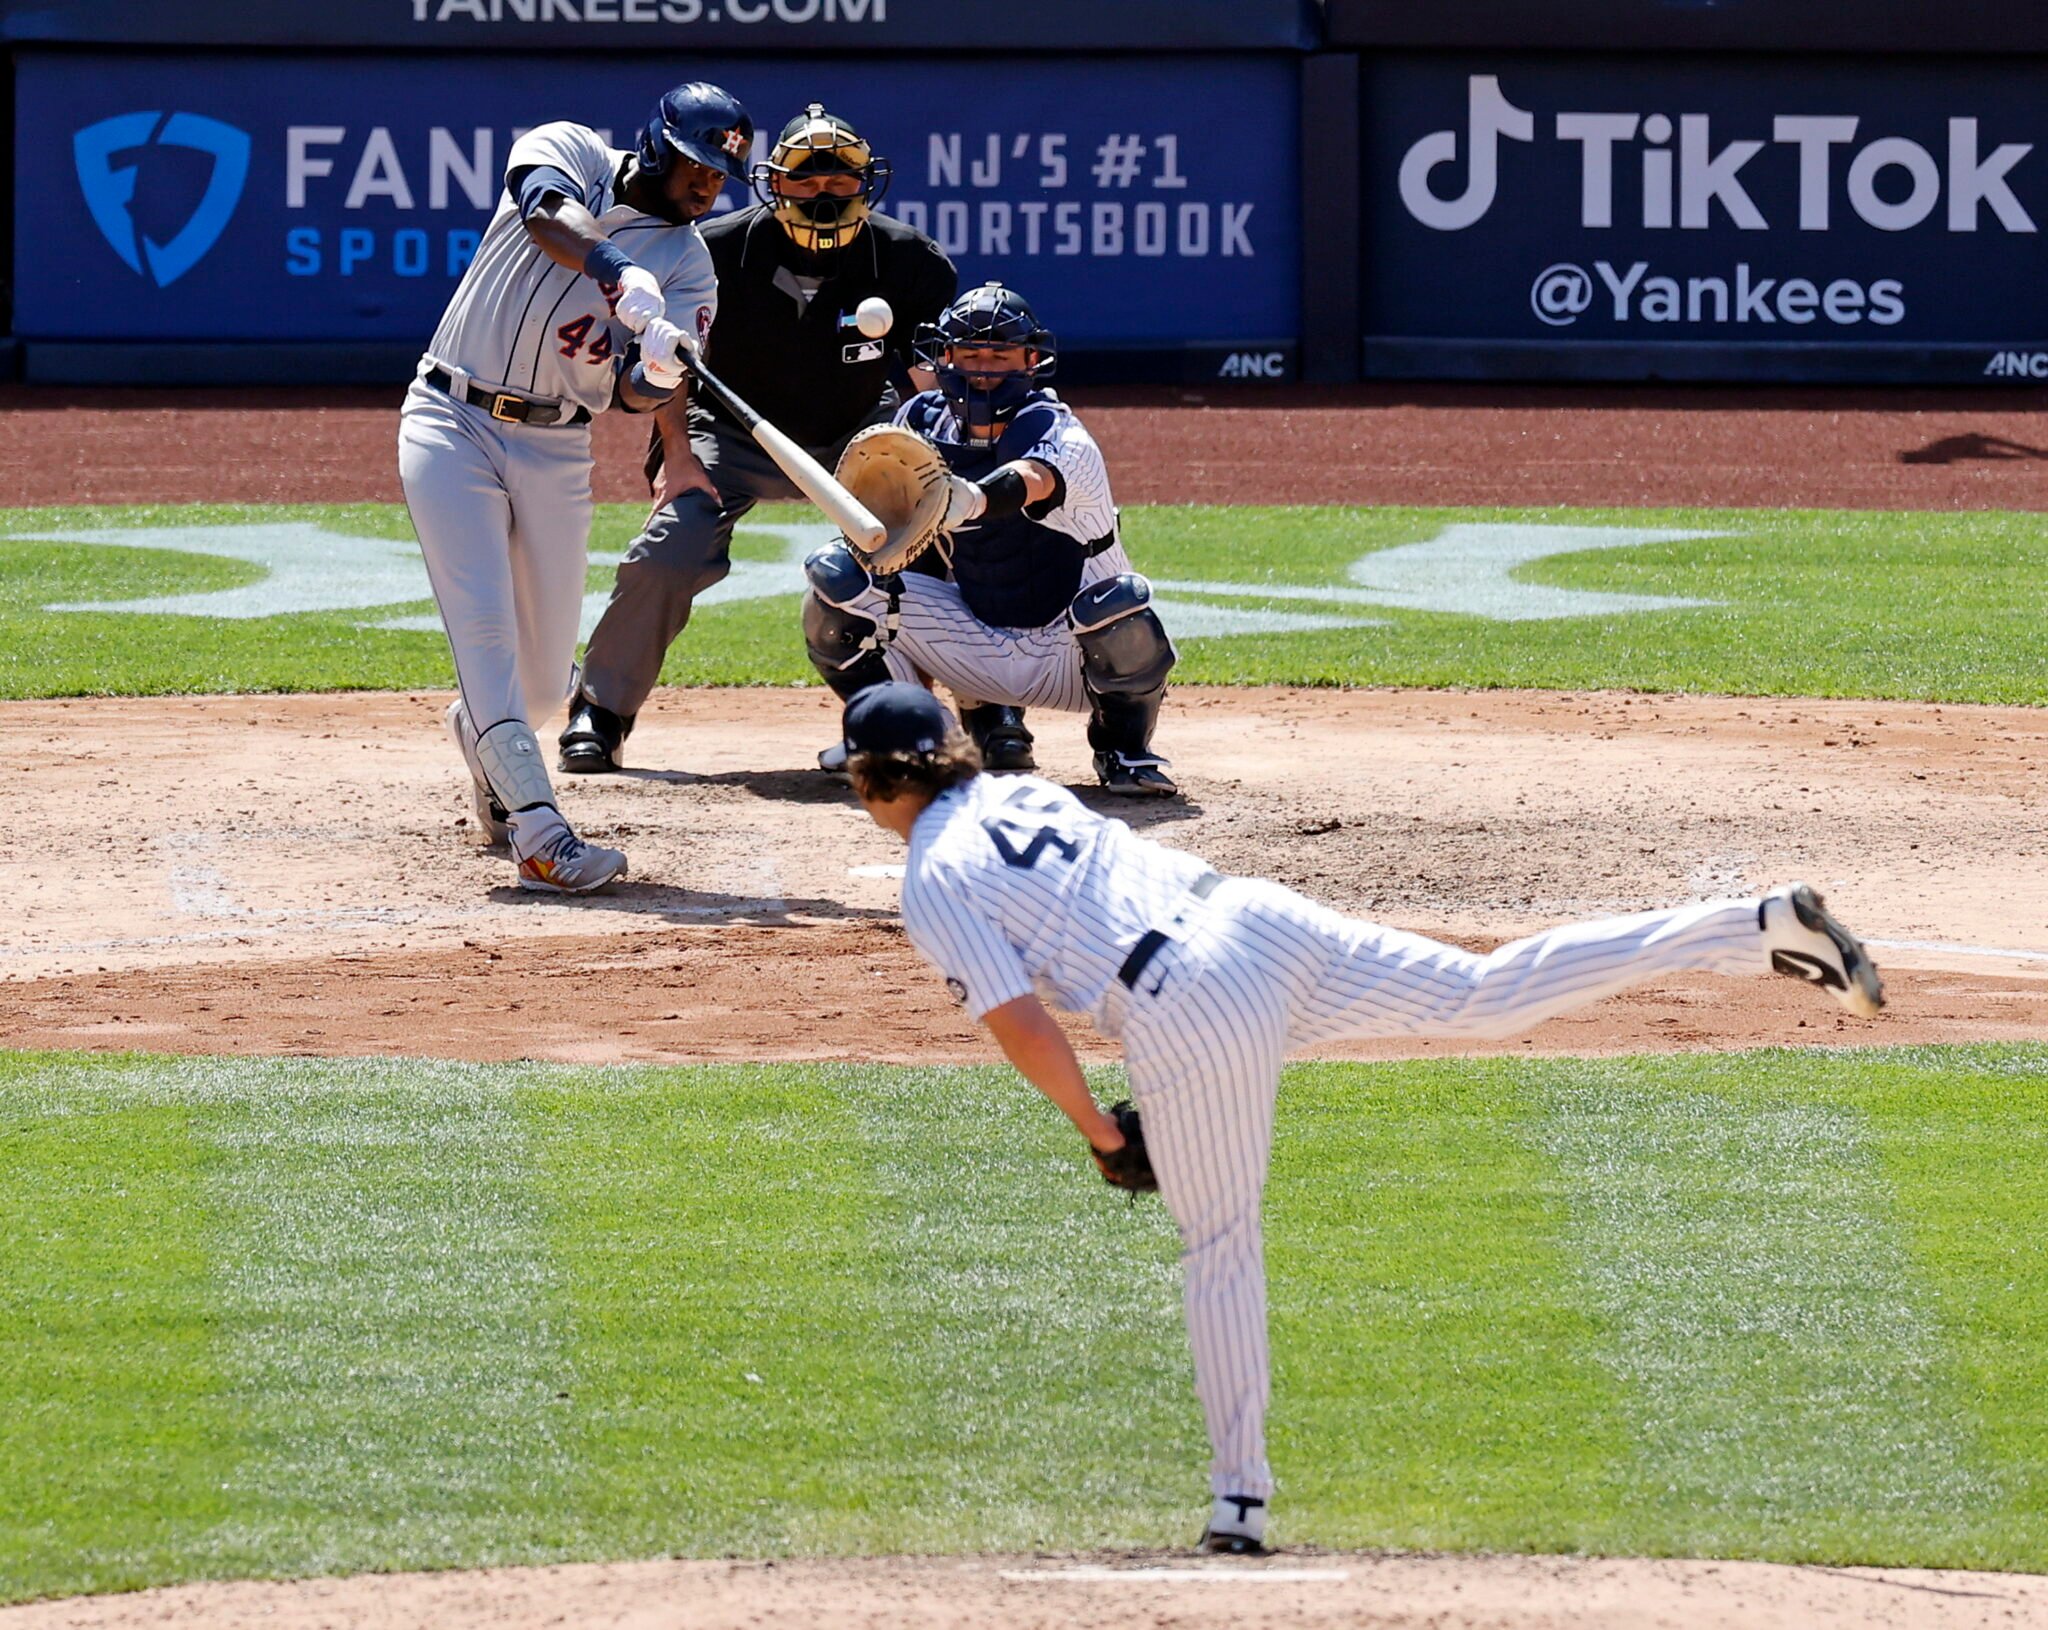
[1190,190]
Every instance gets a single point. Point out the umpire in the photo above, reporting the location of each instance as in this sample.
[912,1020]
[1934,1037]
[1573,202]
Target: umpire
[791,271]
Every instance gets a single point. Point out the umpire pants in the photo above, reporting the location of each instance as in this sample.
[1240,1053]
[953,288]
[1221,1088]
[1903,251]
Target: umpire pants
[684,549]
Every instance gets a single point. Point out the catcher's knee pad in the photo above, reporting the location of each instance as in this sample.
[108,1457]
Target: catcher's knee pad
[513,765]
[1124,648]
[836,577]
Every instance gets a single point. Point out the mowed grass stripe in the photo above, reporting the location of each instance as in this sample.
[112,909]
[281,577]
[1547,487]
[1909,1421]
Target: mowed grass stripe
[1804,602]
[1436,1377]
[382,1277]
[1781,1357]
[1040,1386]
[709,1230]
[1963,1139]
[112,1421]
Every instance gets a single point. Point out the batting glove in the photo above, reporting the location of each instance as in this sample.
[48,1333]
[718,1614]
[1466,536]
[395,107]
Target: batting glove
[661,345]
[640,299]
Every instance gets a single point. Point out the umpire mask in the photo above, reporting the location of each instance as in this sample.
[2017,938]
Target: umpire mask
[820,181]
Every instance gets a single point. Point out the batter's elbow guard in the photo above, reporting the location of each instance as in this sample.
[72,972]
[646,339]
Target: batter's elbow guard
[1124,648]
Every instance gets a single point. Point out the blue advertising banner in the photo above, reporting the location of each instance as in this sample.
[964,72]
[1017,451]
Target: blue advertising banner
[676,25]
[267,199]
[1625,208]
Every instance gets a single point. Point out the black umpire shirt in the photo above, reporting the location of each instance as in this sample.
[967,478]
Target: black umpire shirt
[801,363]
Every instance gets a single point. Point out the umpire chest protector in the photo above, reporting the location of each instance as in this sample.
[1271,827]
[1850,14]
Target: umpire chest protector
[799,358]
[1016,572]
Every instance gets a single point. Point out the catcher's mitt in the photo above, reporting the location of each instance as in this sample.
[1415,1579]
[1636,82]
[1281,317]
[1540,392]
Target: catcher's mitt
[1128,1168]
[901,478]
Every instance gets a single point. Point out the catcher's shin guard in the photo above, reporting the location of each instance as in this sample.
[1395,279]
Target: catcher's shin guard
[1001,735]
[845,645]
[1125,658]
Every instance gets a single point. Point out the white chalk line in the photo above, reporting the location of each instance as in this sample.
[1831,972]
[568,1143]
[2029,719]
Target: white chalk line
[1095,1575]
[895,871]
[1948,949]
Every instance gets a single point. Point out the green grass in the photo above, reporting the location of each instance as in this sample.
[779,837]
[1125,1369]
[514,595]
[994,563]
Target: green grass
[288,1316]
[1825,603]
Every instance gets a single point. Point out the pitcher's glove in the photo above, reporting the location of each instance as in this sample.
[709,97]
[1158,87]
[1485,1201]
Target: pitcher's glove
[903,481]
[1128,1168]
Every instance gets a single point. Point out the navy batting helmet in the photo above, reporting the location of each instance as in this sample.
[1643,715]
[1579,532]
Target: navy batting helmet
[705,124]
[989,318]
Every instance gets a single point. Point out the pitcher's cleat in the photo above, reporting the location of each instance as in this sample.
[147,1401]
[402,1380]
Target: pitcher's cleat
[1807,943]
[1237,1526]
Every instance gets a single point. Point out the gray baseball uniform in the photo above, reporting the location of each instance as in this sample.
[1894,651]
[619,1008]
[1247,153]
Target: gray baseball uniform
[503,507]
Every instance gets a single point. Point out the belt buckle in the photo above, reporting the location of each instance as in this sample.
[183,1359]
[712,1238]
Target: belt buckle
[504,400]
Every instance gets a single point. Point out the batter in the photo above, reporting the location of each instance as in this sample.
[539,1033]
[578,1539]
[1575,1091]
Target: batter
[589,247]
[1021,896]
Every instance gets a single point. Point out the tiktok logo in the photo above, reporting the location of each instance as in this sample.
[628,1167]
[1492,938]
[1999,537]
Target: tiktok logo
[1491,117]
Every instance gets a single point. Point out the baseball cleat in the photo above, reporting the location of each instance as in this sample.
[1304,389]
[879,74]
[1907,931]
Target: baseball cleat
[591,740]
[1132,777]
[556,860]
[1806,943]
[1237,1527]
[833,761]
[1002,736]
[490,814]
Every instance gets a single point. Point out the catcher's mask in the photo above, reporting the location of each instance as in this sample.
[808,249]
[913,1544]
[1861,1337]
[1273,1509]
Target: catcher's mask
[986,320]
[839,176]
[702,122]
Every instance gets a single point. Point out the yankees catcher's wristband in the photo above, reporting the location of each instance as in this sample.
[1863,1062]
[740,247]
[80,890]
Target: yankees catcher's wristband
[1003,493]
[606,262]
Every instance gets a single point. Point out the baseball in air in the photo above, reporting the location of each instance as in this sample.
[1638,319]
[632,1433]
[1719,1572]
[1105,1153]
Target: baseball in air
[873,317]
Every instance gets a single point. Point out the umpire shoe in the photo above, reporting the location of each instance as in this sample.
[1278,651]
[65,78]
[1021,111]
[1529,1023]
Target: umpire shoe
[1134,776]
[591,740]
[1237,1526]
[1806,943]
[1001,735]
[553,860]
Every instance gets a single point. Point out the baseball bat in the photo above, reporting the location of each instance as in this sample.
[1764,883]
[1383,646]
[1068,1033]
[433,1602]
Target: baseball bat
[811,478]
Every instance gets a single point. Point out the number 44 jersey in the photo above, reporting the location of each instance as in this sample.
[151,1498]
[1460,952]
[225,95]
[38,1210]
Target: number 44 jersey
[1014,888]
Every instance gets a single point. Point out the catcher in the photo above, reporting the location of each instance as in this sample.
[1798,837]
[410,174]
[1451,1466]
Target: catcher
[1020,896]
[793,271]
[1039,607]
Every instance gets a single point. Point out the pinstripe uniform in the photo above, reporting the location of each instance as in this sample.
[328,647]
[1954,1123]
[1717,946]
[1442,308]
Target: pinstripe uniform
[1012,888]
[503,509]
[961,632]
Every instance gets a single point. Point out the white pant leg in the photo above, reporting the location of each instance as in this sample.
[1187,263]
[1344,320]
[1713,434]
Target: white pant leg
[1204,1070]
[462,511]
[1020,667]
[1381,982]
[550,551]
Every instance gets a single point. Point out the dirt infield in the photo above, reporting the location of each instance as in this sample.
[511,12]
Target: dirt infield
[1308,1592]
[1410,444]
[293,874]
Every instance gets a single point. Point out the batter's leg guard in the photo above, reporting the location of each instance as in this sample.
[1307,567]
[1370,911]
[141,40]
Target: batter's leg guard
[845,645]
[1000,734]
[1125,660]
[514,767]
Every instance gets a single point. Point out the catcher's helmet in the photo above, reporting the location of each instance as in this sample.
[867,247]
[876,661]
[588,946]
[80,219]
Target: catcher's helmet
[984,319]
[817,144]
[705,124]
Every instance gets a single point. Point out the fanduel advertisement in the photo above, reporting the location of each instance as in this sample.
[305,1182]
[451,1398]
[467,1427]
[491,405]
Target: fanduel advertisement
[286,200]
[1750,203]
